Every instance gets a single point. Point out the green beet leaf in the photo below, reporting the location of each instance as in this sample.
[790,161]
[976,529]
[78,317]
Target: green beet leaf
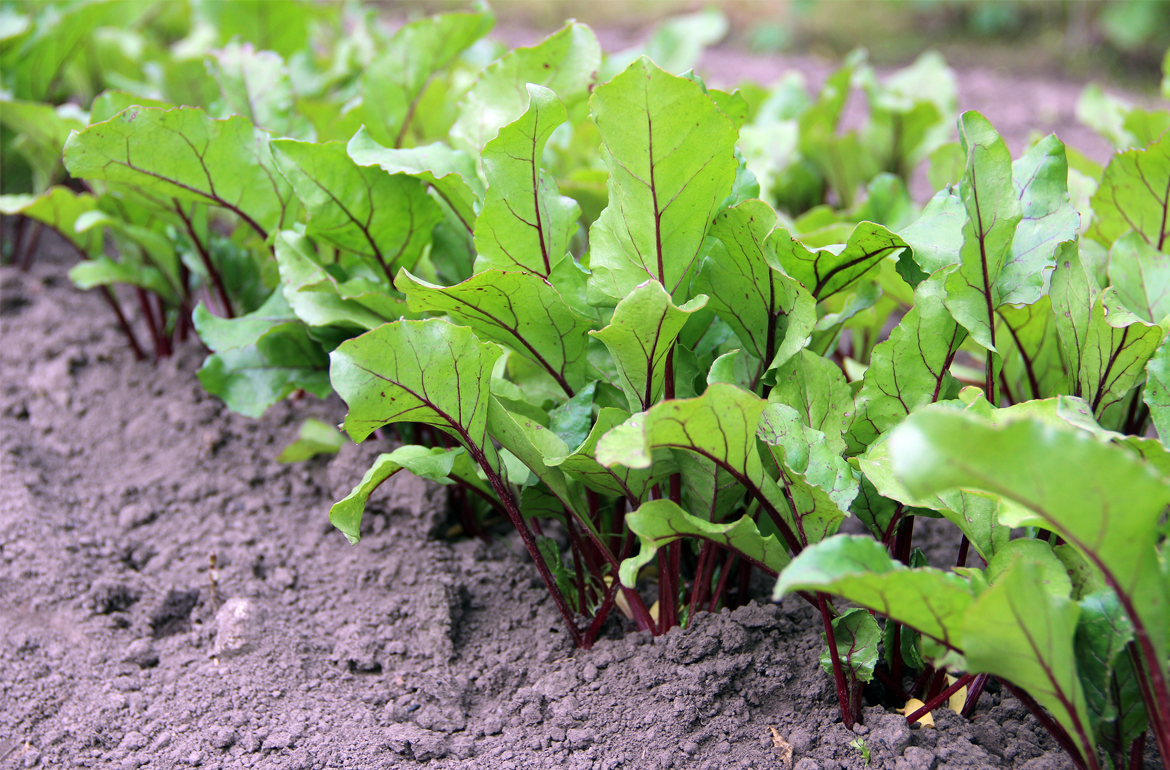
[314,438]
[671,158]
[1102,500]
[640,338]
[827,271]
[1141,275]
[566,62]
[186,155]
[772,314]
[61,209]
[526,223]
[857,635]
[1029,345]
[859,569]
[1156,394]
[256,84]
[278,25]
[450,173]
[634,484]
[394,83]
[386,218]
[815,387]
[1117,346]
[519,309]
[910,369]
[1134,196]
[661,522]
[42,130]
[1103,631]
[993,212]
[1019,631]
[936,237]
[434,463]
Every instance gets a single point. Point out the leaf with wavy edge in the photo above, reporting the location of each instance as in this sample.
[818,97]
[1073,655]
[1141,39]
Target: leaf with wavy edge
[671,158]
[386,218]
[517,309]
[1117,346]
[526,223]
[772,314]
[1066,481]
[640,337]
[816,388]
[394,82]
[661,522]
[565,62]
[450,173]
[1134,195]
[856,635]
[186,155]
[993,213]
[860,570]
[830,270]
[1141,275]
[936,237]
[910,369]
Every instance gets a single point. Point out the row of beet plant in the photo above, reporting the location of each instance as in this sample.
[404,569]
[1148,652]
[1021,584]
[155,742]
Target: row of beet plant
[674,335]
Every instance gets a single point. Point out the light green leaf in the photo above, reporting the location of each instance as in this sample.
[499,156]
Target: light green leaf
[314,438]
[434,463]
[1134,196]
[526,223]
[450,173]
[255,84]
[393,84]
[109,103]
[186,155]
[910,369]
[1141,275]
[517,309]
[661,522]
[857,636]
[566,62]
[60,208]
[859,569]
[936,237]
[640,337]
[993,212]
[632,483]
[42,130]
[827,271]
[222,334]
[1102,633]
[671,158]
[1023,633]
[815,387]
[104,271]
[278,25]
[1067,481]
[1072,293]
[1030,348]
[417,371]
[1156,394]
[772,314]
[1117,346]
[386,218]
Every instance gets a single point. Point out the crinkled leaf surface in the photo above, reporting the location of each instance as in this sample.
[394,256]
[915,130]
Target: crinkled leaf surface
[566,62]
[518,309]
[815,387]
[1141,275]
[1134,195]
[772,314]
[385,217]
[185,154]
[394,82]
[910,369]
[671,158]
[450,173]
[859,569]
[525,223]
[640,336]
[660,522]
[993,212]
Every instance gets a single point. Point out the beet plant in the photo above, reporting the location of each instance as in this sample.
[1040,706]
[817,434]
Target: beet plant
[675,336]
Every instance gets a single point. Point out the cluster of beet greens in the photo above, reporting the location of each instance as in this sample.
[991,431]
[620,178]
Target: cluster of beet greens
[675,336]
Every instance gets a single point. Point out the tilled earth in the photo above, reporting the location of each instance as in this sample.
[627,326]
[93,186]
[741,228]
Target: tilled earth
[120,647]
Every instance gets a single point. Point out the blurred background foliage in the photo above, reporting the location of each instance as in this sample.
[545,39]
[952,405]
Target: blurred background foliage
[1120,40]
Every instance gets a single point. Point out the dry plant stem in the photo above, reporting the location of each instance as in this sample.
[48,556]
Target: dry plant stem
[1054,729]
[941,698]
[838,672]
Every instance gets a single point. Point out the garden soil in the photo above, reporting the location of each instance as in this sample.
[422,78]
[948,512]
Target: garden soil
[121,646]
